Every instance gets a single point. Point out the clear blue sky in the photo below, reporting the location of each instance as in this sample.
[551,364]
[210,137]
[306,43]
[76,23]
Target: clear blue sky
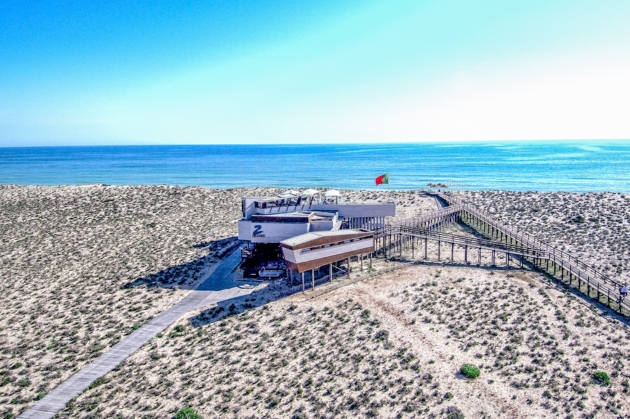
[123,72]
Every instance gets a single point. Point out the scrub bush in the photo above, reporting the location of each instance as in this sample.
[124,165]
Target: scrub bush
[601,378]
[187,413]
[469,371]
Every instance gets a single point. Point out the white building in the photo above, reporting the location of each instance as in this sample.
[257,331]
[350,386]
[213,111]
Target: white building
[273,219]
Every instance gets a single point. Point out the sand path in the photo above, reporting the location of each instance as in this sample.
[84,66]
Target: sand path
[217,287]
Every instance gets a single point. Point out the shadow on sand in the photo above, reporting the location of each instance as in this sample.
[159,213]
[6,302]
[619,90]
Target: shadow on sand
[263,292]
[187,275]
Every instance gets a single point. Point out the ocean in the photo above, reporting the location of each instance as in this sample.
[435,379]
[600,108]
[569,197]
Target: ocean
[521,166]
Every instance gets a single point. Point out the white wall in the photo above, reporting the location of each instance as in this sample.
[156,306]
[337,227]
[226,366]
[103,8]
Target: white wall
[275,232]
[244,230]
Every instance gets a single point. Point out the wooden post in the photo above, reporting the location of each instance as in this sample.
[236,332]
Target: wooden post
[302,281]
[452,252]
[507,259]
[466,254]
[370,261]
[348,267]
[493,258]
[361,257]
[425,248]
[598,295]
[330,273]
[413,249]
[479,256]
[313,278]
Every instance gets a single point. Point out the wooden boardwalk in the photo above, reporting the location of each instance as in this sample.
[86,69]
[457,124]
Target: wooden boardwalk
[513,243]
[79,382]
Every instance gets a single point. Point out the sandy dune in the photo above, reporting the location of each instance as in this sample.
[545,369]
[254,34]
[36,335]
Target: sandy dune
[387,347]
[80,267]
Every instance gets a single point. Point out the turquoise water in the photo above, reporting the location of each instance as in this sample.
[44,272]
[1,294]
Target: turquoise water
[540,166]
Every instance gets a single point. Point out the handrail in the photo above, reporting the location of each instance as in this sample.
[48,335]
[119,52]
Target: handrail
[529,239]
[469,241]
[539,249]
[423,218]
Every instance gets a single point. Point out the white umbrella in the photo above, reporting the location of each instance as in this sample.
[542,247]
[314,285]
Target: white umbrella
[332,192]
[290,192]
[310,192]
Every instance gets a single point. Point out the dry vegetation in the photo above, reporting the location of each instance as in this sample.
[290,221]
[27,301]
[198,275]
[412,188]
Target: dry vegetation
[65,253]
[594,226]
[71,260]
[388,347]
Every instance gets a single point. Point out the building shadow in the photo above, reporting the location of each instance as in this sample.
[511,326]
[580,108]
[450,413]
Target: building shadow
[270,291]
[187,275]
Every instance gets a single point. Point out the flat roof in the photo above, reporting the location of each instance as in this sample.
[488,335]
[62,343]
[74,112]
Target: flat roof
[303,238]
[297,216]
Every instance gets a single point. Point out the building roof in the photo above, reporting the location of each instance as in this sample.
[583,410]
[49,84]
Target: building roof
[318,237]
[295,217]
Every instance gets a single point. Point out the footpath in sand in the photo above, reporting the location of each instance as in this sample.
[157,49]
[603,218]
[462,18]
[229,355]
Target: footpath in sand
[213,290]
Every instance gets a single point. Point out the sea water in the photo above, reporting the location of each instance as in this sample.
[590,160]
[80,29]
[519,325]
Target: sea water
[534,166]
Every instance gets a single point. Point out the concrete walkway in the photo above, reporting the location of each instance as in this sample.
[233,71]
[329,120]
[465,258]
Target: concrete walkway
[200,298]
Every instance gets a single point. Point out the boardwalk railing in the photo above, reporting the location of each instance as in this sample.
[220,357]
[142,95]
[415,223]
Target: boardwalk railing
[508,240]
[560,255]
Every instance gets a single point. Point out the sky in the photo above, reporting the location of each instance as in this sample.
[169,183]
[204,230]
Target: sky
[326,71]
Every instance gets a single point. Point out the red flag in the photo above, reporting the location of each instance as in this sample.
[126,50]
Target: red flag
[383,179]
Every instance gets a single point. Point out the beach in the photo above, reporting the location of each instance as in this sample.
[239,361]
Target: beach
[84,266]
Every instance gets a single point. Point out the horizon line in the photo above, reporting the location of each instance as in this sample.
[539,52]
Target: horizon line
[600,140]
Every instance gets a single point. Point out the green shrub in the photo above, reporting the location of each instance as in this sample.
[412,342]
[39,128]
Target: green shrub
[453,412]
[601,378]
[469,371]
[382,335]
[187,413]
[96,383]
[24,382]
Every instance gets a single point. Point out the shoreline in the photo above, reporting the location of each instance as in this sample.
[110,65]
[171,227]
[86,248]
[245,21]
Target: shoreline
[282,188]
